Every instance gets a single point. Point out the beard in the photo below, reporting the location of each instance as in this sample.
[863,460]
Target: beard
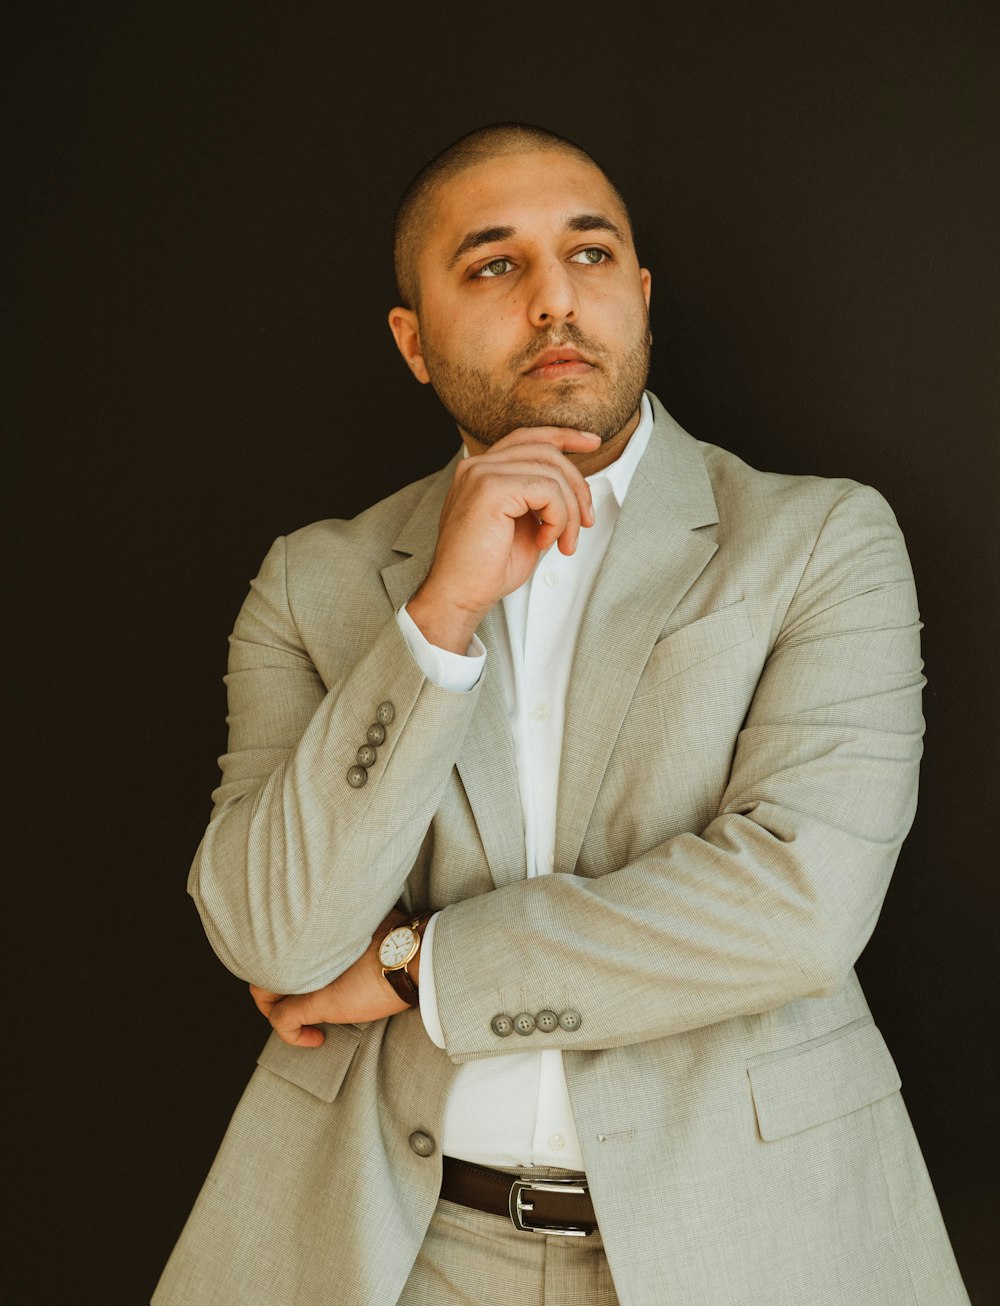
[485,404]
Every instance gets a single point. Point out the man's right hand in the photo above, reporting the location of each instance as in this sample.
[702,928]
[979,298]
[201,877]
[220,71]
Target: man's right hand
[505,507]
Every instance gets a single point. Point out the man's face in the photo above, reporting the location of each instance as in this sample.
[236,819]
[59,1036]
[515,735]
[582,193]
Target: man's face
[533,308]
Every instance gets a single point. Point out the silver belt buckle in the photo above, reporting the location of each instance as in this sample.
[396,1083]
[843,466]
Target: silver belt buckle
[520,1208]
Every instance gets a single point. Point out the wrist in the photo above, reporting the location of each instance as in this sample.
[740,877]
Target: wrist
[444,624]
[398,956]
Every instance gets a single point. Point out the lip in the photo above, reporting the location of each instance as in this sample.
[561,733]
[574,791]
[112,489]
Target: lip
[559,362]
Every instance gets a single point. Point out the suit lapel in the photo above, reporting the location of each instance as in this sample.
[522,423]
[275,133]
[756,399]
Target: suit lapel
[488,767]
[656,554]
[415,542]
[486,763]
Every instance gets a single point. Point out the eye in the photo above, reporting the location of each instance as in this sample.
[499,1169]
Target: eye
[591,256]
[496,267]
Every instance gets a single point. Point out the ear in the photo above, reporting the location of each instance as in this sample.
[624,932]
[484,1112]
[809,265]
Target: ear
[646,277]
[405,328]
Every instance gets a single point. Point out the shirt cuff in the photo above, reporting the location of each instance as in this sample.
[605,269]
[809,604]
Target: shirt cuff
[443,668]
[428,996]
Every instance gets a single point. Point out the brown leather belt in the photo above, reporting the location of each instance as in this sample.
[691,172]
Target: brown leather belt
[556,1206]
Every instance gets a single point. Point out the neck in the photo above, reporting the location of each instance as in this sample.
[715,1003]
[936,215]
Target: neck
[609,451]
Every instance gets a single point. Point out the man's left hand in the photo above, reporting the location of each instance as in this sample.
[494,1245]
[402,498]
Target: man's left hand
[360,994]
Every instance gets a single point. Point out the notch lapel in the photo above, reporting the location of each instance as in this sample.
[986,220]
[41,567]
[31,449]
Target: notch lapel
[655,555]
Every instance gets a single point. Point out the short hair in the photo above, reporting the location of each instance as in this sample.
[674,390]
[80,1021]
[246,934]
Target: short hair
[412,219]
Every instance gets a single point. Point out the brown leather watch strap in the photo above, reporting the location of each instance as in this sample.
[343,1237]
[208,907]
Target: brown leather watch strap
[404,986]
[400,979]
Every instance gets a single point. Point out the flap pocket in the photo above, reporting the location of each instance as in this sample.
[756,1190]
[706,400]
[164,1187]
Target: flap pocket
[695,642]
[319,1071]
[814,1082]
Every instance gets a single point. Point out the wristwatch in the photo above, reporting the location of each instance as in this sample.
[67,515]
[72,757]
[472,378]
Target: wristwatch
[395,953]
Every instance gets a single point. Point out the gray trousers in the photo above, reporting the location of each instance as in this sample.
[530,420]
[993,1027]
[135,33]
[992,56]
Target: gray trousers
[472,1259]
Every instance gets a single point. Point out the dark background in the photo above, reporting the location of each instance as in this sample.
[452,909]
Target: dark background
[201,362]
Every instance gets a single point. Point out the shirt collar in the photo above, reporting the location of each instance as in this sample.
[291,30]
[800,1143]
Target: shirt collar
[617,476]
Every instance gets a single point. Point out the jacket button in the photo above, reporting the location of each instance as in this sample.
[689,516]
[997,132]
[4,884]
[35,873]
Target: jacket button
[384,713]
[376,734]
[570,1020]
[366,755]
[502,1026]
[357,777]
[547,1021]
[524,1023]
[421,1143]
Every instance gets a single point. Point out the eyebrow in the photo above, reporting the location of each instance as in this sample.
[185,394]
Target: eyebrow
[489,235]
[484,236]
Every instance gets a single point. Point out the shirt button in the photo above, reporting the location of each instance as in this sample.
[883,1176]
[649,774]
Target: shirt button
[551,579]
[540,712]
[557,1142]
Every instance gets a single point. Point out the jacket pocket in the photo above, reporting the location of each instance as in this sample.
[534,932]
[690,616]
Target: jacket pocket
[695,643]
[814,1082]
[319,1071]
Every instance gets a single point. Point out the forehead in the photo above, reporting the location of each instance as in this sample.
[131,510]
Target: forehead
[533,193]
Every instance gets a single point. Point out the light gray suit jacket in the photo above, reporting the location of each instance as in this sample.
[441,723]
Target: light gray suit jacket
[739,770]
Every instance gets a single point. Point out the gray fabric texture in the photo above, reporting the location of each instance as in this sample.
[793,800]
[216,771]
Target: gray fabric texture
[739,770]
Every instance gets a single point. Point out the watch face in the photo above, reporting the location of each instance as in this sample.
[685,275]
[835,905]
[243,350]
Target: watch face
[397,947]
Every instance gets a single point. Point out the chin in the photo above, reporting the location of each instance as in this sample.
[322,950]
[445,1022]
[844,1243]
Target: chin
[603,419]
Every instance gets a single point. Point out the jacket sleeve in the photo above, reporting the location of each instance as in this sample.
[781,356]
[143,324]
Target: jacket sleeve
[776,897]
[297,867]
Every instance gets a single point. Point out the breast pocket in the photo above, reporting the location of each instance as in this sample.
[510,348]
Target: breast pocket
[319,1071]
[821,1080]
[702,639]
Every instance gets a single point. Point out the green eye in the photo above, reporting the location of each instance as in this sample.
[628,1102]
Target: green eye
[592,256]
[495,268]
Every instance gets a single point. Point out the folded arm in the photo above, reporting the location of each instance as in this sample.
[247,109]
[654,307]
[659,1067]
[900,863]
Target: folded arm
[777,896]
[297,868]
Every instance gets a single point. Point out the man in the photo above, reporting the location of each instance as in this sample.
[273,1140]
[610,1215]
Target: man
[562,793]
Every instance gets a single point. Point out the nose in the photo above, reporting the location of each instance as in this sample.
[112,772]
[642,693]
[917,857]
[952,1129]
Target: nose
[552,295]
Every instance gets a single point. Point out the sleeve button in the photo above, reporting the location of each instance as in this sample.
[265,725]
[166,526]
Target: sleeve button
[524,1023]
[502,1026]
[547,1021]
[376,734]
[384,713]
[570,1020]
[357,777]
[366,755]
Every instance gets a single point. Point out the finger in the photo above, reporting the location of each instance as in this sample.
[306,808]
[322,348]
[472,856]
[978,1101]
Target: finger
[553,504]
[264,998]
[566,438]
[549,486]
[551,450]
[289,1020]
[302,1036]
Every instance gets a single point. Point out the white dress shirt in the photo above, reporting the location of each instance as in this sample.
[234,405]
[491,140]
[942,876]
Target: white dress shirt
[514,1110]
